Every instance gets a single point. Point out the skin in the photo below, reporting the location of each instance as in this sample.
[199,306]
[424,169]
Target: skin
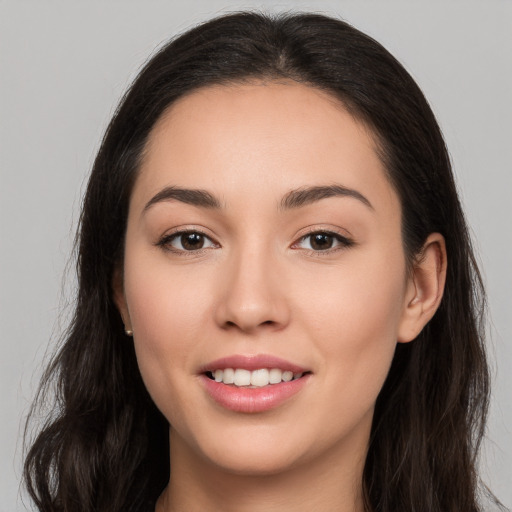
[258,286]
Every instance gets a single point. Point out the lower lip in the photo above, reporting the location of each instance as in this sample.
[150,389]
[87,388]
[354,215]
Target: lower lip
[252,400]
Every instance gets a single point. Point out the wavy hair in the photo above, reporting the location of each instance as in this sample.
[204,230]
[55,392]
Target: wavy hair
[104,445]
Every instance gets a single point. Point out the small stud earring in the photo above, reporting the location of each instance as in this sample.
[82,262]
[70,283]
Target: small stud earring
[128,332]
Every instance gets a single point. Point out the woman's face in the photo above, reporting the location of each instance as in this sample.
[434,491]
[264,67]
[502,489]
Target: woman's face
[264,235]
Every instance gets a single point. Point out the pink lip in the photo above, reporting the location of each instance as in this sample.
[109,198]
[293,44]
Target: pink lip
[252,400]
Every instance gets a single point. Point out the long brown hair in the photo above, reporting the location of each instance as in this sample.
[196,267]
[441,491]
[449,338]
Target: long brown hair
[104,445]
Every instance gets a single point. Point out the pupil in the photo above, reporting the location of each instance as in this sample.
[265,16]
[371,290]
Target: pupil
[321,241]
[192,241]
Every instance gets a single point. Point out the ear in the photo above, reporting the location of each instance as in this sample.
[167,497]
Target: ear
[425,288]
[120,298]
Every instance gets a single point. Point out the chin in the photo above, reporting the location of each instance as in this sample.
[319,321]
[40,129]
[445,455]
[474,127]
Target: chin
[254,451]
[256,462]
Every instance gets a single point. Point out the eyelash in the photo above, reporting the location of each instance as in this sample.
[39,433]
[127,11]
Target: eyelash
[343,242]
[165,242]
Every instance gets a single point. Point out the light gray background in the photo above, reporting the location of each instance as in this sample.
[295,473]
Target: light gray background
[64,65]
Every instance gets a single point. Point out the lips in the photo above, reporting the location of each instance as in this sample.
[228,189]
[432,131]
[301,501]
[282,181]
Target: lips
[251,384]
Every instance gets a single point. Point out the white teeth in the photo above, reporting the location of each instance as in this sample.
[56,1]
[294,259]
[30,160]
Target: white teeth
[242,377]
[259,378]
[275,375]
[229,376]
[287,376]
[256,378]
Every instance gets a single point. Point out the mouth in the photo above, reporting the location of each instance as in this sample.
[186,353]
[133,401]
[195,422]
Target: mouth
[252,384]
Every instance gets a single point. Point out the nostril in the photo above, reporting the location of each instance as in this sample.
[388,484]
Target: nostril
[231,324]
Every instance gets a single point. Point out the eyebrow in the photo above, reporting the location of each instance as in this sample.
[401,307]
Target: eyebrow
[195,197]
[294,199]
[304,196]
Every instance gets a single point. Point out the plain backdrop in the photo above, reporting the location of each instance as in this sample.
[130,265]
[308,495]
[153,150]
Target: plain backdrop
[65,64]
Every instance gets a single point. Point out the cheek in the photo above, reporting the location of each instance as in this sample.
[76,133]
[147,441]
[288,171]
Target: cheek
[166,300]
[167,312]
[364,295]
[353,317]
[163,310]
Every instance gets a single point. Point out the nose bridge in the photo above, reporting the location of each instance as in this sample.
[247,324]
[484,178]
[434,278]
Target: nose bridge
[252,296]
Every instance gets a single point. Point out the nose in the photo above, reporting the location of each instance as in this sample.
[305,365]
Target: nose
[252,296]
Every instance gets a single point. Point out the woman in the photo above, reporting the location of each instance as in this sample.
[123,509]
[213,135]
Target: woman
[278,302]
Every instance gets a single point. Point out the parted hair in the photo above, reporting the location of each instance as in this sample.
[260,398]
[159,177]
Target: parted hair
[104,446]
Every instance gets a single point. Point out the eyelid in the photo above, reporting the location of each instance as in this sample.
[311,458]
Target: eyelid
[344,241]
[165,240]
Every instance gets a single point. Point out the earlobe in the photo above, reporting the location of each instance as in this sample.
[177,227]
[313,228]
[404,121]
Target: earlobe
[424,289]
[120,300]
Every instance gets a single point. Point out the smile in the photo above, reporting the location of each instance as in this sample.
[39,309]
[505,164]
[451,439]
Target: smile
[254,383]
[253,379]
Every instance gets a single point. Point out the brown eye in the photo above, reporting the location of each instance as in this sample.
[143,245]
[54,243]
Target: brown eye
[192,241]
[323,241]
[186,241]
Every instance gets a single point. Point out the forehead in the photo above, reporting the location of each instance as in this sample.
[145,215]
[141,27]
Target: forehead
[261,137]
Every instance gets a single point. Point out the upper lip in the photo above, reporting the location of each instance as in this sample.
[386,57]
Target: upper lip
[252,362]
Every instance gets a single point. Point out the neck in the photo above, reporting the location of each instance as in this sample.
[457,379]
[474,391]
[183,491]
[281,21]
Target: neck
[327,484]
